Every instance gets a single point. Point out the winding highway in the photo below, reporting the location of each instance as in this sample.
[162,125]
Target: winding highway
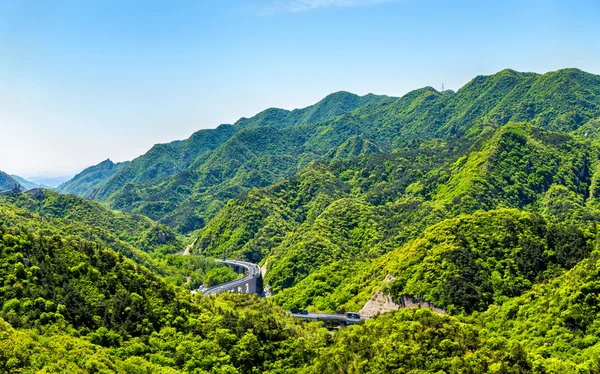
[325,317]
[249,283]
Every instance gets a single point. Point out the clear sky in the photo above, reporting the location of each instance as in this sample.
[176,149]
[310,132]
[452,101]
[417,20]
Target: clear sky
[86,80]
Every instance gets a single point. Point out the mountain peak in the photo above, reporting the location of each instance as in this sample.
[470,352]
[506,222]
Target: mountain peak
[331,106]
[339,95]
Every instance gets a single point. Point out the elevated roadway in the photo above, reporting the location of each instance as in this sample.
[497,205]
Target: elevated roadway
[251,282]
[328,318]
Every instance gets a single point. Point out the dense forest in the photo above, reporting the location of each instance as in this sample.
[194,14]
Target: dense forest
[483,203]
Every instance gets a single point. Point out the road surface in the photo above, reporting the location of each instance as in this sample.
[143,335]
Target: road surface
[248,283]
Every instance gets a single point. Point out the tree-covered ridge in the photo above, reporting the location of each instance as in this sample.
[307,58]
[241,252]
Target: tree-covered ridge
[91,178]
[551,328]
[134,236]
[526,335]
[165,160]
[557,319]
[136,230]
[329,107]
[549,100]
[160,162]
[65,285]
[254,157]
[195,191]
[467,263]
[244,224]
[420,341]
[255,222]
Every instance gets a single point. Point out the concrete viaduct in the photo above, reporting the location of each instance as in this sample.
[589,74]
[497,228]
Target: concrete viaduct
[251,282]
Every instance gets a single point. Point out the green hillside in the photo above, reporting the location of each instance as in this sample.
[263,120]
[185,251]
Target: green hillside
[165,160]
[72,303]
[254,152]
[357,210]
[135,237]
[91,178]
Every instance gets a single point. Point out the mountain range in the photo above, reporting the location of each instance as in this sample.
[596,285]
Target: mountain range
[478,206]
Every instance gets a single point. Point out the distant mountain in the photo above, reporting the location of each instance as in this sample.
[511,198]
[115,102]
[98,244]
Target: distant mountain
[90,178]
[7,182]
[29,185]
[165,160]
[51,181]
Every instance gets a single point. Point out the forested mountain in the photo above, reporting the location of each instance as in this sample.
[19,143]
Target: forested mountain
[356,210]
[164,160]
[119,316]
[184,183]
[483,203]
[91,178]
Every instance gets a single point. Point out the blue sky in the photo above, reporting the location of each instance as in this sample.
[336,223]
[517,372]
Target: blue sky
[82,81]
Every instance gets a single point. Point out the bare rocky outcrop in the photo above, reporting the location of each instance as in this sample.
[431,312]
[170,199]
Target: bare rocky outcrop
[381,303]
[378,304]
[409,302]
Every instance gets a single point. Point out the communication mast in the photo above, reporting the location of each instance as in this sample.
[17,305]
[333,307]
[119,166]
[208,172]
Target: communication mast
[442,87]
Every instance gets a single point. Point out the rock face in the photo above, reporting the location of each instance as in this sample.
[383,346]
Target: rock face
[378,304]
[381,303]
[409,302]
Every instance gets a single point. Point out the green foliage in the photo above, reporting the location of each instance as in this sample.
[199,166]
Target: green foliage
[466,264]
[219,275]
[420,341]
[74,304]
[558,319]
